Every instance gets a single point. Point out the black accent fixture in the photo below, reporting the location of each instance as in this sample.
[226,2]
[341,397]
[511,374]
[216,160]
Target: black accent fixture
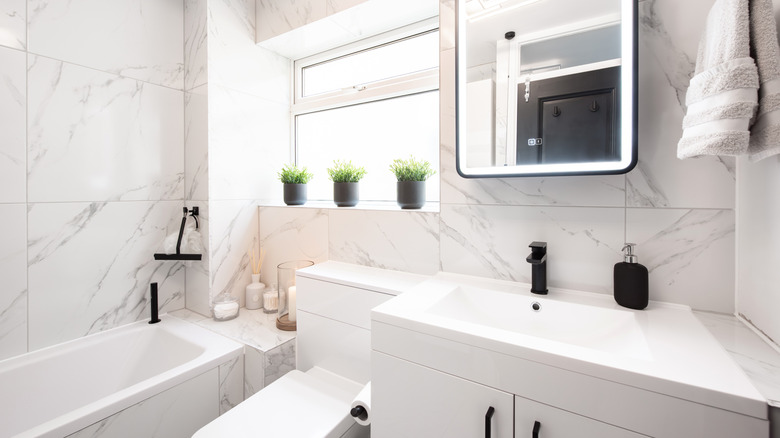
[359,412]
[179,256]
[488,417]
[509,35]
[536,306]
[535,432]
[538,261]
[155,318]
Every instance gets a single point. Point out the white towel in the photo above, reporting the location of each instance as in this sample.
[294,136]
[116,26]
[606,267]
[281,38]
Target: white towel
[765,132]
[722,97]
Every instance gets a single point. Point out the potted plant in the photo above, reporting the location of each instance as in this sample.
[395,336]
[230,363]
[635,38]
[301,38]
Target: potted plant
[411,175]
[345,179]
[294,180]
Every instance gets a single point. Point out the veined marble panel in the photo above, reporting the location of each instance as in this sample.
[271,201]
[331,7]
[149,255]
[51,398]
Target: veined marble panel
[233,232]
[668,45]
[195,44]
[94,136]
[291,234]
[277,17]
[583,244]
[198,276]
[13,24]
[400,240]
[196,144]
[253,371]
[13,124]
[279,361]
[91,264]
[139,39]
[235,61]
[446,25]
[689,254]
[176,412]
[13,271]
[248,144]
[231,384]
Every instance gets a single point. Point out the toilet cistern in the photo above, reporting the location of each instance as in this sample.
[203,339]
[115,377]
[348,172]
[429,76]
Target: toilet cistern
[538,261]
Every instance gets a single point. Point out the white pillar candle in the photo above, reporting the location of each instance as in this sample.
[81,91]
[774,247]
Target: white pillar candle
[291,304]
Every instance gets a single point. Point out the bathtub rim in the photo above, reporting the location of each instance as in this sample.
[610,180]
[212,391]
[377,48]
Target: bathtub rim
[218,350]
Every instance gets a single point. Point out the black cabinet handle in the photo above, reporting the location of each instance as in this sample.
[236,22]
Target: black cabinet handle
[535,433]
[488,417]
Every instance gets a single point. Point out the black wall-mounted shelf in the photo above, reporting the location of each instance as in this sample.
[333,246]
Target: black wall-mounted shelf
[179,256]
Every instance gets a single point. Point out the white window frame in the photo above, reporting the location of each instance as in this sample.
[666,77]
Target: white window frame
[413,83]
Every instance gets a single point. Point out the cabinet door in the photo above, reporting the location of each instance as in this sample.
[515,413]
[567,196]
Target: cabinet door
[537,420]
[409,400]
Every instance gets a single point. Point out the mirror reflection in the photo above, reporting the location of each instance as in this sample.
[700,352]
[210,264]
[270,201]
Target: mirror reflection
[545,87]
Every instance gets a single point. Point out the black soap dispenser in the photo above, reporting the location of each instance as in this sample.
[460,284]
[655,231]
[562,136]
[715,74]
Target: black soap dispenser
[630,281]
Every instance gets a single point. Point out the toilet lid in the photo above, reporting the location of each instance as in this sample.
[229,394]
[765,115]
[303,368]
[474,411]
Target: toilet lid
[297,405]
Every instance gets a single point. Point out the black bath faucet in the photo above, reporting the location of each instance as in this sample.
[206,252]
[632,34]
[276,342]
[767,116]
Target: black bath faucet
[538,261]
[155,318]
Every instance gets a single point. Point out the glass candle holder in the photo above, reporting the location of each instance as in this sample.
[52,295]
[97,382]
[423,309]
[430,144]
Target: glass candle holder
[288,311]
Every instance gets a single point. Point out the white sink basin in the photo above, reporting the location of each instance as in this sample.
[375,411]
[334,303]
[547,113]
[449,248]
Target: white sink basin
[606,329]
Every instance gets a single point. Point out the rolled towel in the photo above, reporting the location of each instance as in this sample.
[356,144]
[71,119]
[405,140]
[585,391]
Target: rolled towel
[765,132]
[722,96]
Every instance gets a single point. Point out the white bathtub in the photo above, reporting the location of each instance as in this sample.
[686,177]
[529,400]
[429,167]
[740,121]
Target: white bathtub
[60,390]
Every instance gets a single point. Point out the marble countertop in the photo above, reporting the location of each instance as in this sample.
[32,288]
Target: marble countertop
[252,327]
[759,361]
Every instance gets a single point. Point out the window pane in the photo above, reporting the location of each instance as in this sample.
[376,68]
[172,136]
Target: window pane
[371,135]
[395,59]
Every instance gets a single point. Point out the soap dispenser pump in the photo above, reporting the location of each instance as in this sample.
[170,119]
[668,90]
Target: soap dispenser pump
[630,281]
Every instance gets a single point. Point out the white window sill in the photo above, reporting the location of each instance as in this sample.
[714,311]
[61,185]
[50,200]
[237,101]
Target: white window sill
[429,207]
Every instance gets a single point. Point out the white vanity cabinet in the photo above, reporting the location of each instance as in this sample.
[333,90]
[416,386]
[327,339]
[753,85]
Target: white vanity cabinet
[411,401]
[537,420]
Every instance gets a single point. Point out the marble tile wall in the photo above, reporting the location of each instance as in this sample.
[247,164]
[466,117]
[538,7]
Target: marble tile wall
[91,165]
[248,137]
[680,213]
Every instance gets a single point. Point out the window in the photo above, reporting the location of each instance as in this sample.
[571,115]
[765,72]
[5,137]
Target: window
[370,103]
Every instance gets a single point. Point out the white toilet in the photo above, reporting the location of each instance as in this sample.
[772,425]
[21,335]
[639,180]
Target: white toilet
[334,302]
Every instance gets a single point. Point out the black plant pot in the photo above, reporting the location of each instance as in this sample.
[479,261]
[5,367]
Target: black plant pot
[345,194]
[411,194]
[294,194]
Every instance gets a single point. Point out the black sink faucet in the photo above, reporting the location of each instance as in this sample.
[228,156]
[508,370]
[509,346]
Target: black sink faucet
[538,261]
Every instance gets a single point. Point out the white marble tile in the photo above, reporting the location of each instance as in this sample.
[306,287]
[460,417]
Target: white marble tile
[688,253]
[583,244]
[233,232]
[252,328]
[197,273]
[758,244]
[335,6]
[13,104]
[667,54]
[176,412]
[195,43]
[90,266]
[13,24]
[279,361]
[249,141]
[253,371]
[399,240]
[139,39]
[291,234]
[231,384]
[13,272]
[377,16]
[275,17]
[94,136]
[759,360]
[196,144]
[235,61]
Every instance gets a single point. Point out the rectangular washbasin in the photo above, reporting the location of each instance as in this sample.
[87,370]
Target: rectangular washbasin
[605,329]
